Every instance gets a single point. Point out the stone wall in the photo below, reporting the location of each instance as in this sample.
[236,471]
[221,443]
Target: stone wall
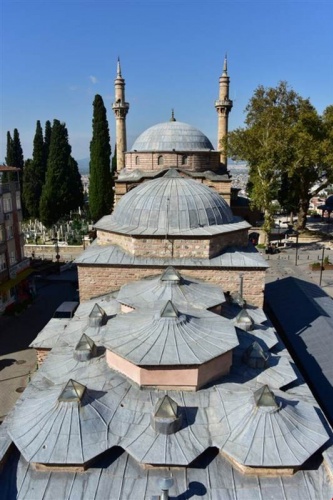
[97,280]
[197,161]
[41,355]
[67,253]
[174,247]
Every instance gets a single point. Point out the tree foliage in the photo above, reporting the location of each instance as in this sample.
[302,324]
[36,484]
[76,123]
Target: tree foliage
[101,179]
[60,193]
[284,145]
[14,156]
[34,174]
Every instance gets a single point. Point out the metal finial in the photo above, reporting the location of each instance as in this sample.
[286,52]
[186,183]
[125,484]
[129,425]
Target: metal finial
[225,65]
[118,68]
[172,119]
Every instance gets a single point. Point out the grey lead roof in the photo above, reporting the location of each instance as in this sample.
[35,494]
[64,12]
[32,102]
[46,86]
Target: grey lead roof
[269,436]
[233,257]
[143,293]
[119,477]
[305,315]
[148,338]
[171,136]
[171,205]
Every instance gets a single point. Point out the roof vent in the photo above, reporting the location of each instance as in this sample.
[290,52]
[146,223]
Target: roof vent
[264,398]
[255,356]
[97,317]
[172,172]
[169,311]
[236,298]
[85,349]
[171,274]
[73,392]
[166,418]
[244,320]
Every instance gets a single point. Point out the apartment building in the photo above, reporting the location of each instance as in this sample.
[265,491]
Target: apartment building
[14,267]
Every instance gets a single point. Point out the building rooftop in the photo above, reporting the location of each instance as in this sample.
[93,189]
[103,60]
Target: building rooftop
[171,205]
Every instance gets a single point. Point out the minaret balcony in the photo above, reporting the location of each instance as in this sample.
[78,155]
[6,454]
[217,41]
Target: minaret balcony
[224,102]
[120,105]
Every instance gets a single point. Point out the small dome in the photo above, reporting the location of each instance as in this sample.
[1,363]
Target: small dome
[169,205]
[171,136]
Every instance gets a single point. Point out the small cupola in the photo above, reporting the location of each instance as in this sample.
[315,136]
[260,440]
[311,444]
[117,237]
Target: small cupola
[166,418]
[169,311]
[97,317]
[264,398]
[72,392]
[85,349]
[255,356]
[244,321]
[171,275]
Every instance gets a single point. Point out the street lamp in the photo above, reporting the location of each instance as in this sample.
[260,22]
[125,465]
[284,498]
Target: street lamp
[56,248]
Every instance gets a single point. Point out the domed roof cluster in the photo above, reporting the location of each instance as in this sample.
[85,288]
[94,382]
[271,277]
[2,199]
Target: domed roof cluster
[171,205]
[171,136]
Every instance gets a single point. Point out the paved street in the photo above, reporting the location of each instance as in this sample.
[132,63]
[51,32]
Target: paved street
[17,360]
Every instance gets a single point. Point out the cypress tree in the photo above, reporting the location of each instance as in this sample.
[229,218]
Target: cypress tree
[76,187]
[9,176]
[55,199]
[34,175]
[62,191]
[100,182]
[47,141]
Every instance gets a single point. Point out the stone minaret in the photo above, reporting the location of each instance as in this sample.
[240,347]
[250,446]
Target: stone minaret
[120,108]
[223,107]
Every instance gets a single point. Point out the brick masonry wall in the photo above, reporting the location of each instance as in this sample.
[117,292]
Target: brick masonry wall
[97,280]
[174,247]
[196,161]
[41,356]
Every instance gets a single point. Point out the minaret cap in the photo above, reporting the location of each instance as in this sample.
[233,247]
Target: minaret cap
[225,65]
[118,69]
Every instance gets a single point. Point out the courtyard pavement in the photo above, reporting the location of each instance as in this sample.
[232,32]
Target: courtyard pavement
[17,360]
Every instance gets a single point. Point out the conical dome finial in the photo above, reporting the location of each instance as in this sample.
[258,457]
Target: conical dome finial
[225,65]
[172,119]
[118,68]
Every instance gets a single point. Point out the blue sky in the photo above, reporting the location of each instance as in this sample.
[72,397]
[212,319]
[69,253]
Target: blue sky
[56,55]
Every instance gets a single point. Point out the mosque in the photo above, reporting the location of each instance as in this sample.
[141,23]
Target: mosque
[169,381]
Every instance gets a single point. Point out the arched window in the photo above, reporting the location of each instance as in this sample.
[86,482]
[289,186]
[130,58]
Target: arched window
[160,160]
[184,160]
[137,160]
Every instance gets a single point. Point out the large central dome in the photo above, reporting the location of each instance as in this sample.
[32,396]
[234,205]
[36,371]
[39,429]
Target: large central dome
[171,205]
[172,136]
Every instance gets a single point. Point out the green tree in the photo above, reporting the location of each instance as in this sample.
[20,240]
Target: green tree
[76,187]
[101,180]
[47,140]
[59,193]
[14,157]
[34,174]
[283,146]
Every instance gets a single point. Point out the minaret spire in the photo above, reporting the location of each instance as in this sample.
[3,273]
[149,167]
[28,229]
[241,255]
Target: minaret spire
[223,107]
[120,108]
[225,65]
[118,68]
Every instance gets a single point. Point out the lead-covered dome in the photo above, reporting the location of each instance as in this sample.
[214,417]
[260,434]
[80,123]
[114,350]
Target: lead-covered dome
[171,205]
[171,136]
